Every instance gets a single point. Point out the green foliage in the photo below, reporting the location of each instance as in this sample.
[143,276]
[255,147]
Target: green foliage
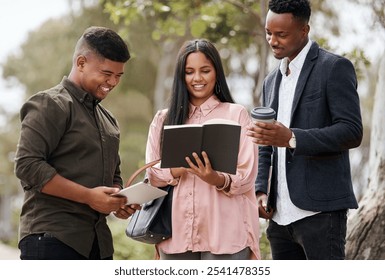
[228,22]
[30,64]
[264,245]
[235,27]
[9,185]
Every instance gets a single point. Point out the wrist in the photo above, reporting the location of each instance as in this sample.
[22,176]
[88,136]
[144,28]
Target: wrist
[292,141]
[226,183]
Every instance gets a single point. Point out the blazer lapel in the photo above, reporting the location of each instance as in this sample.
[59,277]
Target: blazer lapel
[272,101]
[305,72]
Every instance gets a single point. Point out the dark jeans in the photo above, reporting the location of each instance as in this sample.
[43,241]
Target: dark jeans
[47,247]
[318,237]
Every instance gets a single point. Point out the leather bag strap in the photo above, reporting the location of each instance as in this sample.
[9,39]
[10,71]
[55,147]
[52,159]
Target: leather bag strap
[140,170]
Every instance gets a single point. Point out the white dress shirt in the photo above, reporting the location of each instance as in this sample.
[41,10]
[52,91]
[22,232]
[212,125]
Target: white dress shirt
[286,212]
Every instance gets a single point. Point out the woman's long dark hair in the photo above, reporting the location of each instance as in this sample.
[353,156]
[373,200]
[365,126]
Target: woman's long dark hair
[178,109]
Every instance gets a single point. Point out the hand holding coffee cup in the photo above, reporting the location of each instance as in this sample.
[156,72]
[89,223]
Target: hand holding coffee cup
[263,114]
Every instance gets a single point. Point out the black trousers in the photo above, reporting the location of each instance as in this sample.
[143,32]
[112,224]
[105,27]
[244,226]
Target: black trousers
[318,237]
[47,247]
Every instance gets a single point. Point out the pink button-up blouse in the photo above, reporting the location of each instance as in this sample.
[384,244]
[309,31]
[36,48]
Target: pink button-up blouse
[203,218]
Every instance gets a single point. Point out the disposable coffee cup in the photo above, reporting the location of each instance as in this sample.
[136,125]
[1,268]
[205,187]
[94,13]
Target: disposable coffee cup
[263,114]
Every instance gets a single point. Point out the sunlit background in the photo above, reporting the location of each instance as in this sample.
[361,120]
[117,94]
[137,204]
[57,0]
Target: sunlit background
[20,17]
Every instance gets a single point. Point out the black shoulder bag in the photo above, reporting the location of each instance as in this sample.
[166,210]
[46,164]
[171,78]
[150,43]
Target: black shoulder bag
[151,224]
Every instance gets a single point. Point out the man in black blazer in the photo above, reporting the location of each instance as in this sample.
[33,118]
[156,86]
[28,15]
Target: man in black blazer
[314,93]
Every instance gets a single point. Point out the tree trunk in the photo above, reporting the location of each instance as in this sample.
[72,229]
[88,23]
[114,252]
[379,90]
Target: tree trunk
[263,56]
[366,227]
[162,73]
[165,70]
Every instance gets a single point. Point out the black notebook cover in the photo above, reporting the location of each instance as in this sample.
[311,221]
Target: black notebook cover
[218,138]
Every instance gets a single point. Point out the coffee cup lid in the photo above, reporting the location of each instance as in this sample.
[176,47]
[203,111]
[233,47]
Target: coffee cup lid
[263,113]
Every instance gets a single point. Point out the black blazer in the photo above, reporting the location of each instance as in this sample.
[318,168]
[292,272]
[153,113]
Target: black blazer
[326,120]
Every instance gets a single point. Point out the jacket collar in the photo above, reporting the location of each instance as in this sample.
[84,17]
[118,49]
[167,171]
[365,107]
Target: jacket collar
[308,65]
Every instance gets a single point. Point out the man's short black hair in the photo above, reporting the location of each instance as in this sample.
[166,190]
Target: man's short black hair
[300,9]
[106,43]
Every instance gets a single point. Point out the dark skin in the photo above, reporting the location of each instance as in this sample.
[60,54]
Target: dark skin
[286,36]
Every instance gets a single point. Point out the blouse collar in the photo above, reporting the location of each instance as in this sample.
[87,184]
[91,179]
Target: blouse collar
[210,104]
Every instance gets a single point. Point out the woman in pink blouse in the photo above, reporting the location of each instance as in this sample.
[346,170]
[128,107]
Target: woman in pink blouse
[214,214]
